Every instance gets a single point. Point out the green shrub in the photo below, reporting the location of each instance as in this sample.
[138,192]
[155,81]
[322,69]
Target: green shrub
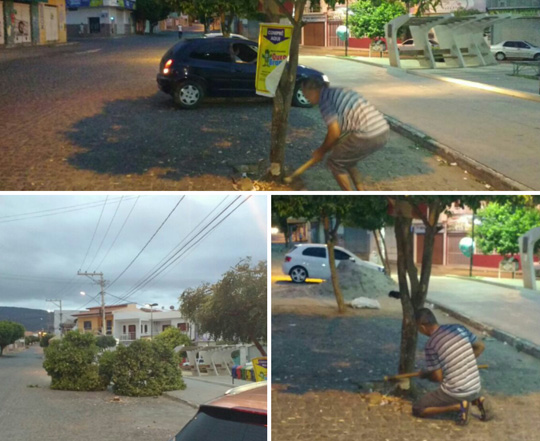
[45,340]
[106,341]
[106,364]
[145,368]
[72,363]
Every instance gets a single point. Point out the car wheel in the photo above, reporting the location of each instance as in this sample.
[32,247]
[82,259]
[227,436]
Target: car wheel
[500,56]
[299,100]
[188,95]
[536,57]
[298,274]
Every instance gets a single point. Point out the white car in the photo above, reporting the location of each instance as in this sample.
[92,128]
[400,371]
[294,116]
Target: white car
[515,49]
[311,261]
[219,34]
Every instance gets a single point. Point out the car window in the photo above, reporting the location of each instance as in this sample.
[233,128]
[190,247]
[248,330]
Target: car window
[211,52]
[243,53]
[315,252]
[522,45]
[530,44]
[225,425]
[510,44]
[340,255]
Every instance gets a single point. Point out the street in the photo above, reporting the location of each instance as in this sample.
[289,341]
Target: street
[90,117]
[30,411]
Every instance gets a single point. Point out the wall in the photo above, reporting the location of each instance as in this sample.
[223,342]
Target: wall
[518,29]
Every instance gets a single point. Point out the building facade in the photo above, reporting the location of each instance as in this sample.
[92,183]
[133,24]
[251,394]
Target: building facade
[32,22]
[92,319]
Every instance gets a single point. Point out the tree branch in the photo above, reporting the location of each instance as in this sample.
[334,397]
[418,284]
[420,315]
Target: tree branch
[284,11]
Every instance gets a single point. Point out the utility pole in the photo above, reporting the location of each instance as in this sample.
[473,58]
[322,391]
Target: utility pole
[102,285]
[58,302]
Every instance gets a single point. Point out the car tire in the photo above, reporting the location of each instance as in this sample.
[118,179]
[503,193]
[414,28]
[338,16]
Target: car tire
[298,274]
[536,57]
[188,95]
[299,100]
[499,56]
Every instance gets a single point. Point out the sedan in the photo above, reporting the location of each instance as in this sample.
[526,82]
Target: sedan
[311,261]
[226,67]
[516,49]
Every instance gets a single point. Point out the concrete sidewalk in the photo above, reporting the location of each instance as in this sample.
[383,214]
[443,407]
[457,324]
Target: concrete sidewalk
[200,390]
[503,309]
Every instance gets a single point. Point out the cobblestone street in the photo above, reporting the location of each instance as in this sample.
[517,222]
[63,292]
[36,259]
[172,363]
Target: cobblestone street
[325,366]
[89,116]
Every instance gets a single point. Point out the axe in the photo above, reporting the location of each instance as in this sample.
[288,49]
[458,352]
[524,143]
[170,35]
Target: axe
[416,374]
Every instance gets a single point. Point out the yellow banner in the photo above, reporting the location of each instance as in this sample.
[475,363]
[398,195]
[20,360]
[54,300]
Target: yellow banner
[259,366]
[274,45]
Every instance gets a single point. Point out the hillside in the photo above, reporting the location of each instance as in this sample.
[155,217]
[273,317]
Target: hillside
[32,319]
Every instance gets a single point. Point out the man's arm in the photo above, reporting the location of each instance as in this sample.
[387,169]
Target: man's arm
[478,347]
[435,376]
[332,135]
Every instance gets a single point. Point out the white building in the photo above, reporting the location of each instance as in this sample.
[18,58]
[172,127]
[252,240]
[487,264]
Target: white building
[67,319]
[134,325]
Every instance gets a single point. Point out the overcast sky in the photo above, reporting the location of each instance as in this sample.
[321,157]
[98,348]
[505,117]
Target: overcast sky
[45,240]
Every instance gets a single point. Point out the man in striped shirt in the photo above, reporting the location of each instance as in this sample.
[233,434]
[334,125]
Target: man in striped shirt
[451,354]
[355,130]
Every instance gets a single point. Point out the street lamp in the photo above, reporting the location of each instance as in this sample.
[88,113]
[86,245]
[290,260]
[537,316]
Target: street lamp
[152,319]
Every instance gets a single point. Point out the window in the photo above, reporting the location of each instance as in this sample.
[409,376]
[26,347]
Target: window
[124,329]
[340,255]
[87,326]
[315,252]
[211,52]
[522,45]
[184,327]
[109,327]
[146,329]
[243,53]
[511,44]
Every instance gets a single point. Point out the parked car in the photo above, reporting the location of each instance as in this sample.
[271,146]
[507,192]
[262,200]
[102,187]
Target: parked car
[409,45]
[311,261]
[239,415]
[195,68]
[515,49]
[199,361]
[220,34]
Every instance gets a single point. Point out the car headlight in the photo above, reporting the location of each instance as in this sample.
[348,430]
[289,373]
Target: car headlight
[325,79]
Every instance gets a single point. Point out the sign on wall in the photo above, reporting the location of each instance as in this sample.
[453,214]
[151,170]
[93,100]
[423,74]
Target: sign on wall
[21,21]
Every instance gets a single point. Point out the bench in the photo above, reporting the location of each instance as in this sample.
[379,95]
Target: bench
[519,66]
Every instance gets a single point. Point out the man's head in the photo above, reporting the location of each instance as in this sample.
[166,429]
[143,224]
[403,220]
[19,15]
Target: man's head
[311,88]
[426,321]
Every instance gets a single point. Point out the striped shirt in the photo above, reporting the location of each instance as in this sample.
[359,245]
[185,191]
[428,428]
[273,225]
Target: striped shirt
[450,348]
[352,112]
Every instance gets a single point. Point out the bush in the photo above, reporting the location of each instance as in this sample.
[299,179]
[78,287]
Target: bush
[72,363]
[10,332]
[106,364]
[106,341]
[45,340]
[145,368]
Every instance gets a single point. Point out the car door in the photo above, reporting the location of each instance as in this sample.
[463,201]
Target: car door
[524,50]
[244,67]
[340,256]
[510,49]
[212,61]
[315,260]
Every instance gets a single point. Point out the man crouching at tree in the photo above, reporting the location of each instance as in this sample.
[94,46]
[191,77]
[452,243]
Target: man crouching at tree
[451,354]
[355,130]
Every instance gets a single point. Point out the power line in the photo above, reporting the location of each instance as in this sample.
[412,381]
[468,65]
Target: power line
[95,230]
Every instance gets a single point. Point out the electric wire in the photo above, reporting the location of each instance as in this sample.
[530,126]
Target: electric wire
[95,230]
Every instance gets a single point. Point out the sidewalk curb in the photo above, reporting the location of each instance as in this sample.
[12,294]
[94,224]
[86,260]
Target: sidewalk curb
[181,400]
[210,382]
[475,168]
[521,345]
[489,282]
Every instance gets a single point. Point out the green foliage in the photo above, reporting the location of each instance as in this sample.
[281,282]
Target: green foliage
[31,339]
[45,340]
[106,364]
[10,332]
[106,341]
[173,337]
[152,10]
[369,19]
[145,368]
[502,225]
[462,12]
[234,308]
[72,363]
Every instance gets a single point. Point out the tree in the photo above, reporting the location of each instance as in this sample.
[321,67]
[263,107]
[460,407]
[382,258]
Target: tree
[502,225]
[173,337]
[105,341]
[10,332]
[364,212]
[45,340]
[72,363]
[369,19]
[152,10]
[233,309]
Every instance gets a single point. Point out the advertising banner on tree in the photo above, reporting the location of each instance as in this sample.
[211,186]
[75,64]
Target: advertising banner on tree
[274,45]
[260,368]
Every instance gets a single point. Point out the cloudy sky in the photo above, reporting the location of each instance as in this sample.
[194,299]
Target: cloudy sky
[45,240]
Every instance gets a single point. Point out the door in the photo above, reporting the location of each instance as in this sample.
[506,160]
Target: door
[315,260]
[314,34]
[132,332]
[511,49]
[524,50]
[51,23]
[94,25]
[244,68]
[212,61]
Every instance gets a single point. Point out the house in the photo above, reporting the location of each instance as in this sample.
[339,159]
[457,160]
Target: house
[143,323]
[65,322]
[91,320]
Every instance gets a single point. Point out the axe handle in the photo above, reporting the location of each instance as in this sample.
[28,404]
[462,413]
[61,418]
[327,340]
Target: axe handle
[416,374]
[303,168]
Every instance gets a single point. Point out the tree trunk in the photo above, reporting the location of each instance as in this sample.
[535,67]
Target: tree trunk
[332,262]
[382,251]
[387,260]
[283,98]
[258,346]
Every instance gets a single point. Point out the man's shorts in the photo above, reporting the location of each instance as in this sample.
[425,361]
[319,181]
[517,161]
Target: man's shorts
[352,148]
[438,398]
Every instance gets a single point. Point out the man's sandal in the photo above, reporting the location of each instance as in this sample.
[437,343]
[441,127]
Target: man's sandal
[486,412]
[463,417]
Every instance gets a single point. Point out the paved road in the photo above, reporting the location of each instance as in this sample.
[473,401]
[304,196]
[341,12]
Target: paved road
[498,131]
[41,414]
[90,117]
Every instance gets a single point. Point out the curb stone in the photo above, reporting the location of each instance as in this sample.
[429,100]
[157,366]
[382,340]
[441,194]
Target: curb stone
[520,344]
[181,400]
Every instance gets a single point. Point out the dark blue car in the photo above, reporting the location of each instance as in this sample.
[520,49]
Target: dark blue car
[195,68]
